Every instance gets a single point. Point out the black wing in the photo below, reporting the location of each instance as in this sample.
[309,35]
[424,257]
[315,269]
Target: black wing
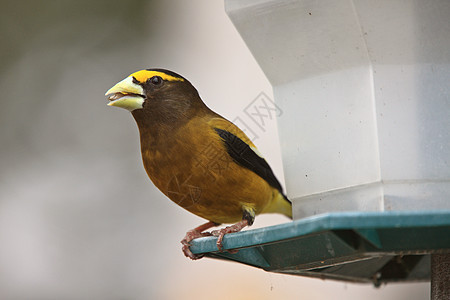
[243,155]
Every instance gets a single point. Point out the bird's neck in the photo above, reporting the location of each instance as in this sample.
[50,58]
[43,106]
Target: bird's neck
[156,131]
[159,127]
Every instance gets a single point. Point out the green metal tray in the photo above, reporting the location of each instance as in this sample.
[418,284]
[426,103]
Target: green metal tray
[377,247]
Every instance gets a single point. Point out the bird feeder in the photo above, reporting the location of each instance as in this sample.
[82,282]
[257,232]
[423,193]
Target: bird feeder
[364,91]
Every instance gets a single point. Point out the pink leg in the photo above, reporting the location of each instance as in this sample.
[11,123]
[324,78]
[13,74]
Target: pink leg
[193,234]
[230,229]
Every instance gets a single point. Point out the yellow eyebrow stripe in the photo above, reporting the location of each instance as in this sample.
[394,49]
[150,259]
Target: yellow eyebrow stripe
[143,75]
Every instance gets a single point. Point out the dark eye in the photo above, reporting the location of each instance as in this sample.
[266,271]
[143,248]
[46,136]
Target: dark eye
[156,80]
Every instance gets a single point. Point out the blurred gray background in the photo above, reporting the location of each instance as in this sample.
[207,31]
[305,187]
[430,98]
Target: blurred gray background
[79,219]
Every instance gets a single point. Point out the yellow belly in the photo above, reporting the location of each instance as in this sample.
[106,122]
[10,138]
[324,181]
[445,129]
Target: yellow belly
[207,182]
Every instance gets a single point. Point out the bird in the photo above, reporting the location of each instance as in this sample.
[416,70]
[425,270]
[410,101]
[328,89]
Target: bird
[197,158]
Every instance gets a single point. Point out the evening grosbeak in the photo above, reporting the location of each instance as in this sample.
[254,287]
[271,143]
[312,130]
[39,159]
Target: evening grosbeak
[200,160]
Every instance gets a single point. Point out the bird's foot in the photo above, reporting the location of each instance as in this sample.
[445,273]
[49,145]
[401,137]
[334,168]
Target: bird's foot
[191,235]
[229,229]
[194,234]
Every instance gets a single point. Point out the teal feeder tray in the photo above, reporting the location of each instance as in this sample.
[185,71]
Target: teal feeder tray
[364,128]
[371,247]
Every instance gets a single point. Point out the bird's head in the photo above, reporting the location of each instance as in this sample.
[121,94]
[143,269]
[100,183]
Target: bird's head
[153,90]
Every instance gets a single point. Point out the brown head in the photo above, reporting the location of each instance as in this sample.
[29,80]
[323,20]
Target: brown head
[157,97]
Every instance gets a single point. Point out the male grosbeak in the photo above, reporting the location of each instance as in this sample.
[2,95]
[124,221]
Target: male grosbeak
[198,159]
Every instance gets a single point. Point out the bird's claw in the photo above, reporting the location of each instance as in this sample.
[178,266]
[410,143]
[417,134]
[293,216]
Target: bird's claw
[187,252]
[199,232]
[191,235]
[221,233]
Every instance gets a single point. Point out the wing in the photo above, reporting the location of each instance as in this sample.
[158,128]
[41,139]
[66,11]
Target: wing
[245,155]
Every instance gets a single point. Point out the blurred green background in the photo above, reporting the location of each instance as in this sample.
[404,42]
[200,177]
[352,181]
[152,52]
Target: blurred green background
[79,219]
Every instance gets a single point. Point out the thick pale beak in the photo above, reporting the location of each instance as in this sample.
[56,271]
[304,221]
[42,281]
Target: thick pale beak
[126,94]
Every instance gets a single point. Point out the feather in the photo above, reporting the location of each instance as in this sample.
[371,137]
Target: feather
[244,155]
